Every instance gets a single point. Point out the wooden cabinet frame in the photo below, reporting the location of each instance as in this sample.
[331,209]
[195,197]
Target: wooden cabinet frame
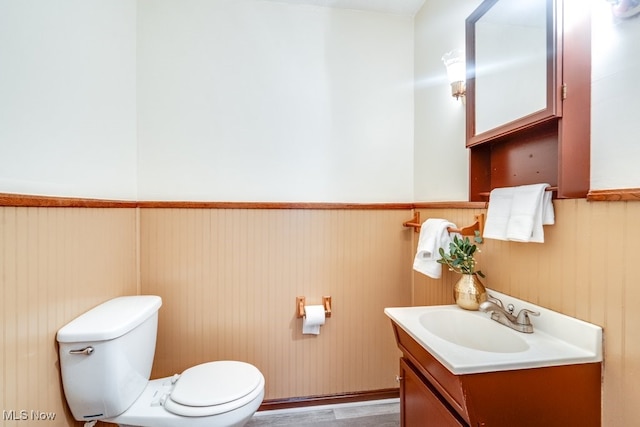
[554,148]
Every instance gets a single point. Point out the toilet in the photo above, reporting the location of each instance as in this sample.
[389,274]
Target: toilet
[106,356]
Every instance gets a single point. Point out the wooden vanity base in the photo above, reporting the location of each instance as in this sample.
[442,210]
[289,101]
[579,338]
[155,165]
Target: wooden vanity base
[556,396]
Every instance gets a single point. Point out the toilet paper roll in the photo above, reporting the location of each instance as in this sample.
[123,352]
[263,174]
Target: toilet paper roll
[313,319]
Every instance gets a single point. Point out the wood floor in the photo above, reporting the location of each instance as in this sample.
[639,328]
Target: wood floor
[384,413]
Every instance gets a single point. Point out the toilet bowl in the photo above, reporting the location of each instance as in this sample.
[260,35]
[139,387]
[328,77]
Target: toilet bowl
[196,399]
[106,356]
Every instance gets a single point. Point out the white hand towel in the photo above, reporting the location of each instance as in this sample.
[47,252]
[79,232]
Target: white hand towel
[433,236]
[548,214]
[527,210]
[498,213]
[547,217]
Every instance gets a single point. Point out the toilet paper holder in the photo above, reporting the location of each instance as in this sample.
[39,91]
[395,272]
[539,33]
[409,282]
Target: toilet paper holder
[300,303]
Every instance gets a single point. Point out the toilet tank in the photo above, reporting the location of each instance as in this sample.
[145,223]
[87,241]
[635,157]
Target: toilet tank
[106,356]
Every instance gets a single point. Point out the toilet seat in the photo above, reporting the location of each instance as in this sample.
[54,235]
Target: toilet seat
[214,388]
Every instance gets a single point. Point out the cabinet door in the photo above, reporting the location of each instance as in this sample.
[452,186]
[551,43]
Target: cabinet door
[420,403]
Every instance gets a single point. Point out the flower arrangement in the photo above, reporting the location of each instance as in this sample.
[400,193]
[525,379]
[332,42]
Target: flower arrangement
[460,256]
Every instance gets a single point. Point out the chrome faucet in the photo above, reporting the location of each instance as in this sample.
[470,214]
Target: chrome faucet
[520,323]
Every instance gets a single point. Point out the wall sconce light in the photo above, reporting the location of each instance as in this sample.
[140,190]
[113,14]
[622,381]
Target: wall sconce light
[454,61]
[625,9]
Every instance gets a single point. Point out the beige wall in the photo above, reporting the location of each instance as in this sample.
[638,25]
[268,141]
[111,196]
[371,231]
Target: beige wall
[229,278]
[55,263]
[229,281]
[585,269]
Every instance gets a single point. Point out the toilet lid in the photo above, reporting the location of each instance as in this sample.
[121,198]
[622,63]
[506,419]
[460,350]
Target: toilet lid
[216,383]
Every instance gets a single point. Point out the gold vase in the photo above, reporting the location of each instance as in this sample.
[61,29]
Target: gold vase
[469,292]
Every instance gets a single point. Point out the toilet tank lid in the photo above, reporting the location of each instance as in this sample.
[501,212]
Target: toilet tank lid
[110,319]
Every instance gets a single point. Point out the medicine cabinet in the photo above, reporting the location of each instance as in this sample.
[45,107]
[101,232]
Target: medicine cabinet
[528,95]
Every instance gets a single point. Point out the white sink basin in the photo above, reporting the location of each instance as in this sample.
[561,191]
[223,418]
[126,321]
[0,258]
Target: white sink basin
[470,342]
[479,333]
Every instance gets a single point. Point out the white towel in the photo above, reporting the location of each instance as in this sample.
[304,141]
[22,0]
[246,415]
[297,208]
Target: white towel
[548,214]
[547,217]
[518,213]
[498,213]
[433,236]
[529,207]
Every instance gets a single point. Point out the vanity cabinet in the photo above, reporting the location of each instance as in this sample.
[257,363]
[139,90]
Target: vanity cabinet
[421,403]
[557,396]
[549,145]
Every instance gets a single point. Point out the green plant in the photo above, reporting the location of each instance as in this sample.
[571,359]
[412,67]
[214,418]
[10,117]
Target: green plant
[460,256]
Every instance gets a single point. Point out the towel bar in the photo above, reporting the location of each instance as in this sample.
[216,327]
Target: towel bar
[414,222]
[488,193]
[469,230]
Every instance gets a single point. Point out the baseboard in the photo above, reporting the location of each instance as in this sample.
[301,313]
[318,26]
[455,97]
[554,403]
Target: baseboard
[333,399]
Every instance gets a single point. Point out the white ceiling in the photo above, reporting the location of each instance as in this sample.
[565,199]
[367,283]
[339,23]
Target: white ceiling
[399,7]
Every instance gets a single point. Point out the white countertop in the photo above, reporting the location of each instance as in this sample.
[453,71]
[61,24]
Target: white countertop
[557,339]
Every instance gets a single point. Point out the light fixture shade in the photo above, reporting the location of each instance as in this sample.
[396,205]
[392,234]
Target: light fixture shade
[625,8]
[456,72]
[454,61]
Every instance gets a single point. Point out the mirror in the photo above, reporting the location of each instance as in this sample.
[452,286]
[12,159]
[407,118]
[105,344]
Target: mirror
[511,66]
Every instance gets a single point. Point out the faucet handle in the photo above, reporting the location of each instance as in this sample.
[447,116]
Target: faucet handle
[523,316]
[494,300]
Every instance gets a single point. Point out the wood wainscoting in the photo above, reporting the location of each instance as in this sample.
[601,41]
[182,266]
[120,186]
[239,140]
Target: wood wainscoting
[229,277]
[229,280]
[55,264]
